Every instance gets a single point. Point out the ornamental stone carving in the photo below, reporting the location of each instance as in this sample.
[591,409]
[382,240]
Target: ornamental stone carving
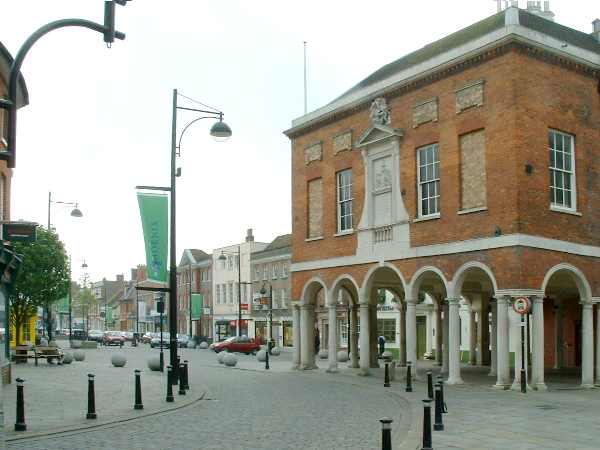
[342,142]
[380,112]
[425,112]
[469,96]
[313,153]
[383,174]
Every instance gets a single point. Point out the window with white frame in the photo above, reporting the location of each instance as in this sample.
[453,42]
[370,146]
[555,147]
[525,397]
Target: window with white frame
[256,273]
[230,289]
[283,298]
[562,169]
[274,270]
[344,200]
[218,294]
[230,262]
[284,270]
[428,176]
[265,272]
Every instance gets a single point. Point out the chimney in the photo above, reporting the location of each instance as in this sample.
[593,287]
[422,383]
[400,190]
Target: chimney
[535,7]
[120,278]
[133,274]
[596,32]
[249,236]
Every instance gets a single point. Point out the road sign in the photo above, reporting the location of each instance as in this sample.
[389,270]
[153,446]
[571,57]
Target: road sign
[19,231]
[521,305]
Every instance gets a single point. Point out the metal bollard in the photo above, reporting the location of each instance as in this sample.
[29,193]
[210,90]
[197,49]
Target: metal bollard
[430,384]
[443,403]
[439,408]
[386,433]
[161,361]
[181,381]
[267,357]
[409,377]
[426,425]
[91,412]
[170,397]
[186,374]
[20,424]
[138,390]
[386,381]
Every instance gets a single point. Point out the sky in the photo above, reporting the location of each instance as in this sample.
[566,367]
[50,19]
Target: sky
[99,120]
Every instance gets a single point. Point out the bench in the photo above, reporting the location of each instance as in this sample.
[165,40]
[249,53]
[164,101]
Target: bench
[24,352]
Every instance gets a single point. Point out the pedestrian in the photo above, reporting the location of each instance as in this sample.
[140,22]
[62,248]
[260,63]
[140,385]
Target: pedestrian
[381,342]
[317,341]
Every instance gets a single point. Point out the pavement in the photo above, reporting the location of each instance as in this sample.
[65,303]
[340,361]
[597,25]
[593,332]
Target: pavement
[250,408]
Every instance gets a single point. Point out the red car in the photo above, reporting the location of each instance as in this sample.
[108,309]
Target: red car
[241,344]
[113,338]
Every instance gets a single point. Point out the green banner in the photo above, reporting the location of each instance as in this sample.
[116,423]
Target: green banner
[154,214]
[197,302]
[109,316]
[63,305]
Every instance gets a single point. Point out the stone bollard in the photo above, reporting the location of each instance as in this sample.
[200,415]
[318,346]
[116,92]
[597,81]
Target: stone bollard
[138,390]
[118,360]
[20,422]
[181,381]
[170,397]
[408,377]
[430,384]
[386,433]
[186,374]
[386,381]
[427,425]
[91,412]
[439,407]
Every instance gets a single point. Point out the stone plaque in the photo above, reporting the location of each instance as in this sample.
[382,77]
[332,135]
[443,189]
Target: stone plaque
[425,112]
[469,96]
[342,142]
[313,153]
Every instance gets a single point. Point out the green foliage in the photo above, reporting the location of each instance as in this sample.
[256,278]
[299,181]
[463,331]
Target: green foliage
[83,300]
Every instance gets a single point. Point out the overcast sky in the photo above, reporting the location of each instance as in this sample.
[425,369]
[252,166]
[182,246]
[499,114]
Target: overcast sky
[99,120]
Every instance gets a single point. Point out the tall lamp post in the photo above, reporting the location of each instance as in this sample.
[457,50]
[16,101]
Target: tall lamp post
[263,291]
[221,132]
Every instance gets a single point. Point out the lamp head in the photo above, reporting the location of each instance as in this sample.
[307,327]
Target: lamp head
[76,212]
[222,257]
[263,290]
[220,131]
[84,265]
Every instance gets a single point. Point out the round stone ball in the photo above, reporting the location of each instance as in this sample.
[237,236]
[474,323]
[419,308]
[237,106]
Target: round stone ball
[67,358]
[75,344]
[261,355]
[220,357]
[118,360]
[79,355]
[203,345]
[154,363]
[191,344]
[230,359]
[323,354]
[276,351]
[342,356]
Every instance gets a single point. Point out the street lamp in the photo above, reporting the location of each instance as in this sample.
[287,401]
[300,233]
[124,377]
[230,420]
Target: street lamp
[263,291]
[220,131]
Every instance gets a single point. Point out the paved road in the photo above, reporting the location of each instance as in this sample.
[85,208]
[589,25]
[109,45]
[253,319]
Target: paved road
[248,410]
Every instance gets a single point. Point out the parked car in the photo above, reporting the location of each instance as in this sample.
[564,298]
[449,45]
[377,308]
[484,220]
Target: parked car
[242,344]
[79,335]
[155,341]
[113,338]
[147,337]
[182,340]
[128,335]
[95,335]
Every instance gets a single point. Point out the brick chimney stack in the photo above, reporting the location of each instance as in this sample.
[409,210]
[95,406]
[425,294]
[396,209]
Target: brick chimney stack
[596,32]
[249,236]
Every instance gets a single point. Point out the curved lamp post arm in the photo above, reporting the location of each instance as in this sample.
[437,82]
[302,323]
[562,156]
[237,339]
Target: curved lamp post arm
[217,115]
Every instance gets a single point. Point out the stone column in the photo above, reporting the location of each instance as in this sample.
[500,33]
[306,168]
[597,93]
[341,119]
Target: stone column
[307,337]
[537,356]
[502,350]
[483,333]
[402,349]
[373,336]
[587,346]
[365,347]
[454,342]
[472,337]
[494,338]
[597,344]
[446,338]
[354,337]
[411,334]
[429,329]
[439,332]
[296,335]
[332,348]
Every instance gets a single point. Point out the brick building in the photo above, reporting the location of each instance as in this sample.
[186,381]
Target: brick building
[194,276]
[465,172]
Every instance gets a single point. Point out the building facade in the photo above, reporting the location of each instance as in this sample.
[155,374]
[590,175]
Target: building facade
[465,173]
[271,276]
[103,291]
[194,276]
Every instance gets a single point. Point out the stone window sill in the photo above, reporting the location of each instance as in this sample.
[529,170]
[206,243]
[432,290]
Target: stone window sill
[314,239]
[565,211]
[423,219]
[344,233]
[472,210]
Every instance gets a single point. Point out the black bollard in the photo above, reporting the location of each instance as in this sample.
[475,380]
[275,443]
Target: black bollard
[409,376]
[170,397]
[386,381]
[267,358]
[427,425]
[439,407]
[386,433]
[430,384]
[186,374]
[20,424]
[181,381]
[443,403]
[161,360]
[91,412]
[138,391]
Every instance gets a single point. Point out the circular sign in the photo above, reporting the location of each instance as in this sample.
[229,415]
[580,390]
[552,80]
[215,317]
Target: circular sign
[521,305]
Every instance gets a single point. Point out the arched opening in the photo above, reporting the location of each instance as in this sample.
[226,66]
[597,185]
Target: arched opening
[312,304]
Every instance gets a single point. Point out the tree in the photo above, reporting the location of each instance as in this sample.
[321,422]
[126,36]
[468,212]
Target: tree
[83,301]
[42,279]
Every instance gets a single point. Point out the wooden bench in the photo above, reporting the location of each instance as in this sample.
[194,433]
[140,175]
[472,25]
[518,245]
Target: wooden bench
[24,352]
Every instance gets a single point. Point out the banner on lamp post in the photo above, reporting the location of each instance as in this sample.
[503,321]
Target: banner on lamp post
[63,305]
[154,213]
[197,303]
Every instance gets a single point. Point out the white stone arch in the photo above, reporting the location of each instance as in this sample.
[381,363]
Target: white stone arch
[339,284]
[583,286]
[461,273]
[310,289]
[368,280]
[415,282]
